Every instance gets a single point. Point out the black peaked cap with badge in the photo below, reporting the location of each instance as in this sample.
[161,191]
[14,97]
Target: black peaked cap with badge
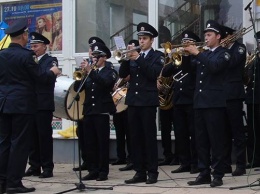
[146,29]
[38,38]
[214,26]
[100,49]
[133,42]
[17,28]
[228,30]
[94,39]
[188,35]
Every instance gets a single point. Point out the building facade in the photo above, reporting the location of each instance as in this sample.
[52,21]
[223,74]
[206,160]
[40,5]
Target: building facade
[68,24]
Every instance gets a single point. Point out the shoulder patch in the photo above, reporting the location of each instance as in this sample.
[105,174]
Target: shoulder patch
[227,56]
[114,75]
[35,59]
[162,60]
[241,50]
[54,63]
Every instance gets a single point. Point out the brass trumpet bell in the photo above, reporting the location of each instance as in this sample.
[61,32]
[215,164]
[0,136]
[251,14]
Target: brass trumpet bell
[122,54]
[78,75]
[167,47]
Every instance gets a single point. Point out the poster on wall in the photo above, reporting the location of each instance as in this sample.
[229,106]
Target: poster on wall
[44,17]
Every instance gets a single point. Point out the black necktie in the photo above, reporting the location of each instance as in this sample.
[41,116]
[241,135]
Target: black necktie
[142,55]
[97,70]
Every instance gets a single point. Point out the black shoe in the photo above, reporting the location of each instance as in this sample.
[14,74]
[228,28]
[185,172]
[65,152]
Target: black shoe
[83,167]
[119,162]
[102,178]
[46,174]
[129,166]
[31,172]
[21,189]
[216,182]
[194,170]
[181,169]
[239,172]
[151,180]
[90,176]
[136,179]
[166,161]
[200,180]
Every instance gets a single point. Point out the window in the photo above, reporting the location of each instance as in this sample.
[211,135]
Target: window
[107,19]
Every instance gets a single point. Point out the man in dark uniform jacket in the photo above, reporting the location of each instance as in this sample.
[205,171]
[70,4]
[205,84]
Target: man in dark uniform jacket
[183,92]
[235,96]
[18,104]
[210,104]
[98,105]
[142,100]
[80,131]
[253,110]
[41,155]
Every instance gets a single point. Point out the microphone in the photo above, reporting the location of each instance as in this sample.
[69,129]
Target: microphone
[248,5]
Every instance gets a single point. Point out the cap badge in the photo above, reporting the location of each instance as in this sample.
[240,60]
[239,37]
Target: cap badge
[96,48]
[142,29]
[186,36]
[94,41]
[33,37]
[208,25]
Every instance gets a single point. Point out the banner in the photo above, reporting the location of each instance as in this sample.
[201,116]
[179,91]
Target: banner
[44,17]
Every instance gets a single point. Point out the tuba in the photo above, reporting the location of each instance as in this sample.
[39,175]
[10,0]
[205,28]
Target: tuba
[166,91]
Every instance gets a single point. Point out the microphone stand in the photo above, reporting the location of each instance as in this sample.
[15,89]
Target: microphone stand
[80,185]
[255,62]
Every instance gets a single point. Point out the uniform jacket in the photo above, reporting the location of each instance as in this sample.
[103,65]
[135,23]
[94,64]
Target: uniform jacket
[98,92]
[18,75]
[143,73]
[210,77]
[46,84]
[183,90]
[234,78]
[253,87]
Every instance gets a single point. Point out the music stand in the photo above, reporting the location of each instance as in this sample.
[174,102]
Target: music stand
[255,62]
[80,185]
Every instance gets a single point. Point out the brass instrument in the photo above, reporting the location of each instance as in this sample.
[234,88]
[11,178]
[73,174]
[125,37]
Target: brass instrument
[176,52]
[80,73]
[166,92]
[121,54]
[238,34]
[249,63]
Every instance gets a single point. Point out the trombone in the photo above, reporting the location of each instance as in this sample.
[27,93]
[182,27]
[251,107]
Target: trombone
[122,54]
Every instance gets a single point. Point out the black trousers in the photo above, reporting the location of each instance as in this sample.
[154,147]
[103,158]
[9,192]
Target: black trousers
[96,140]
[15,130]
[80,134]
[166,122]
[122,135]
[142,125]
[236,131]
[253,141]
[211,138]
[185,134]
[41,155]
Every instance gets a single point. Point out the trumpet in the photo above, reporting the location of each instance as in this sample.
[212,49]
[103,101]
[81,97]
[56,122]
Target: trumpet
[80,73]
[122,54]
[238,34]
[176,52]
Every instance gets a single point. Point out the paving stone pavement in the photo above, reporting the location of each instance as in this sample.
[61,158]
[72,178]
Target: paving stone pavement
[65,179]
